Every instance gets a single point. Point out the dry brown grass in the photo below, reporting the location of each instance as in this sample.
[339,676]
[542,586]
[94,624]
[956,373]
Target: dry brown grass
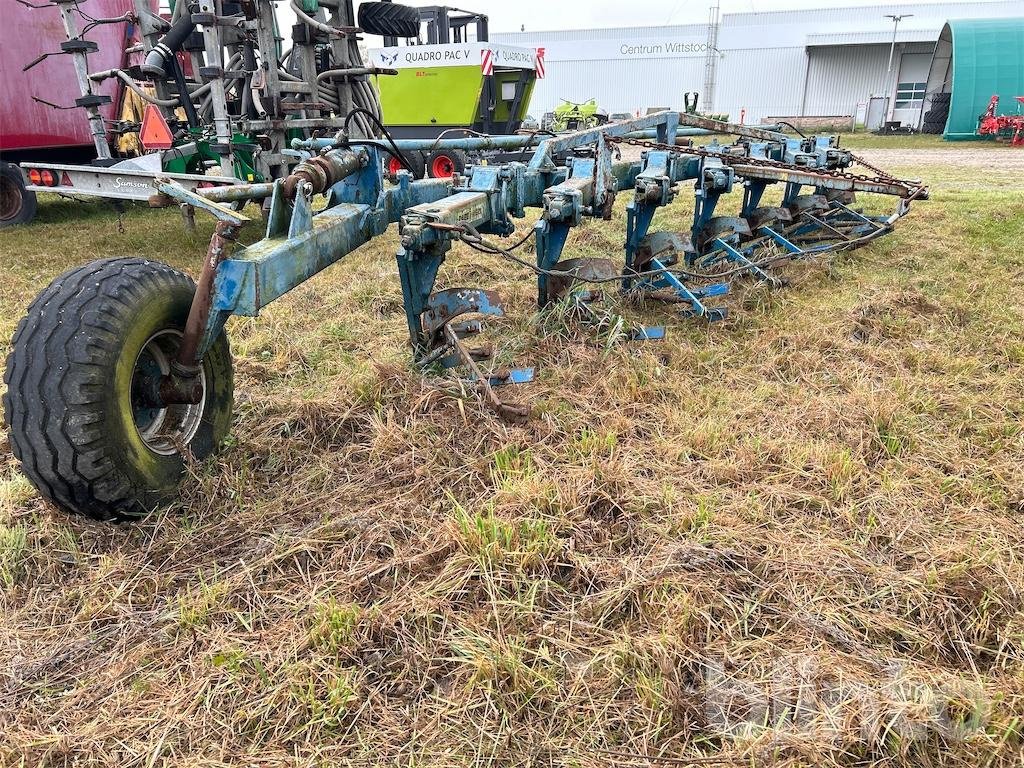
[806,518]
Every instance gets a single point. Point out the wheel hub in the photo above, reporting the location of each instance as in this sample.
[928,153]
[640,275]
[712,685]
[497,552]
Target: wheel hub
[443,167]
[164,427]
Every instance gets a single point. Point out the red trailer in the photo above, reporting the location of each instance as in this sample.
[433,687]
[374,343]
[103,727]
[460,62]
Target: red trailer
[33,131]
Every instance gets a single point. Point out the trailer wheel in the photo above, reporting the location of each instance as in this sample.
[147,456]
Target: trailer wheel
[392,165]
[80,378]
[389,20]
[17,204]
[443,163]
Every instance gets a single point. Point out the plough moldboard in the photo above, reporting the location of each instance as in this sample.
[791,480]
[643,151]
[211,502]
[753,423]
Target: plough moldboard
[569,178]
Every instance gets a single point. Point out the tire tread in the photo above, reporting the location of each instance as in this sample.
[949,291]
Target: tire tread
[51,384]
[389,19]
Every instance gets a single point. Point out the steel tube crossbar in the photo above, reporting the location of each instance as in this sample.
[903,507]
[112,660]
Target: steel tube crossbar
[477,143]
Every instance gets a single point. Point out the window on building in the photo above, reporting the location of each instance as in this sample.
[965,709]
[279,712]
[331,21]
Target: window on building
[910,95]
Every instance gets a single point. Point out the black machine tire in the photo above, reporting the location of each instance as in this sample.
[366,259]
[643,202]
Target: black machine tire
[90,342]
[440,159]
[17,204]
[934,122]
[415,159]
[389,20]
[935,118]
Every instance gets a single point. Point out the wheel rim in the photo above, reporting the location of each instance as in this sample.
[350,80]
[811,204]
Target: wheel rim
[394,166]
[443,167]
[10,199]
[164,430]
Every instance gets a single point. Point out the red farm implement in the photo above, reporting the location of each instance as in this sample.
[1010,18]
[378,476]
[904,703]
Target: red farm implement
[1002,126]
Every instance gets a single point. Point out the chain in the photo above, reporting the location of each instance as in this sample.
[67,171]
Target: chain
[861,161]
[913,189]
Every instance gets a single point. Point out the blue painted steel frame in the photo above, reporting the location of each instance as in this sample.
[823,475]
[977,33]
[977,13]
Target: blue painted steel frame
[299,244]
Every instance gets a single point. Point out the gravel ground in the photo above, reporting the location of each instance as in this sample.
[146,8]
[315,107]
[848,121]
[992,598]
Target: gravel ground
[955,169]
[1008,160]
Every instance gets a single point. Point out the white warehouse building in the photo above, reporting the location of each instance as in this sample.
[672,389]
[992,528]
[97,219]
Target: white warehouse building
[810,63]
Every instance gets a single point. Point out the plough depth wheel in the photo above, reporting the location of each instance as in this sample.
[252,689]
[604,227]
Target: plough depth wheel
[83,379]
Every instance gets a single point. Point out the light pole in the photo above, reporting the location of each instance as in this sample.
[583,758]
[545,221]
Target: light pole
[895,25]
[890,86]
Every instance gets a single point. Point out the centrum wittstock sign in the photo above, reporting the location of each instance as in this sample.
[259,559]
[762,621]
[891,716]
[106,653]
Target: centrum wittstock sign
[603,50]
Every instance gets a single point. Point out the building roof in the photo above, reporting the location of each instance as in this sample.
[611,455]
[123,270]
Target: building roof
[860,18]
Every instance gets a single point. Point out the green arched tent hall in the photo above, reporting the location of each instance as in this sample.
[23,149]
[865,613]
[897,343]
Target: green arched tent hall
[974,60]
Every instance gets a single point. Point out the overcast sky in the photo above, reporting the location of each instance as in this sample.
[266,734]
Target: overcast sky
[539,15]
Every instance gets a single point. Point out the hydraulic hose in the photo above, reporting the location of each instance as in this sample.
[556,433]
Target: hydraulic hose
[305,18]
[156,63]
[127,80]
[363,98]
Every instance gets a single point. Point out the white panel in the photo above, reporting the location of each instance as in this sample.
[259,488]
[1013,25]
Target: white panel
[841,78]
[762,82]
[764,62]
[914,67]
[618,86]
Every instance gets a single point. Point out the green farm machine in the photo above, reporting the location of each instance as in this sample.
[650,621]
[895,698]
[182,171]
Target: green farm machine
[451,82]
[219,104]
[575,116]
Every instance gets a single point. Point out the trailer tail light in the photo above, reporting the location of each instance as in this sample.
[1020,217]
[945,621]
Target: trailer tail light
[65,180]
[35,177]
[49,180]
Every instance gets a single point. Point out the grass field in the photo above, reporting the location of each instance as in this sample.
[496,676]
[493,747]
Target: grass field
[789,539]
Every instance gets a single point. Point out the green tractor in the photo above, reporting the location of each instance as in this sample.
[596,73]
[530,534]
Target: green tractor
[451,80]
[690,99]
[573,116]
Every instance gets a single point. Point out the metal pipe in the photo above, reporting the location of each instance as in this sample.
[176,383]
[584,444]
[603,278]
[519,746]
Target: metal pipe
[477,143]
[221,118]
[234,193]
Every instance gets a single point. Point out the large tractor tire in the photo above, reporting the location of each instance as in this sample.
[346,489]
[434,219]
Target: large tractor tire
[17,204]
[84,364]
[935,118]
[445,163]
[389,20]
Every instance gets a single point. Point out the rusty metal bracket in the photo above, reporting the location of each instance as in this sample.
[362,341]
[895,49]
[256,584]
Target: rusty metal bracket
[517,414]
